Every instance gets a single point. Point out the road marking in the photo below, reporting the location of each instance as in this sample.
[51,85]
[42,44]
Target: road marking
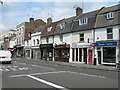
[37,73]
[43,67]
[46,82]
[87,74]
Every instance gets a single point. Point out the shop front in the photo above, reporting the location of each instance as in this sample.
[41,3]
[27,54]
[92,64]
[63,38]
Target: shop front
[35,53]
[82,53]
[107,52]
[27,52]
[62,52]
[19,52]
[46,52]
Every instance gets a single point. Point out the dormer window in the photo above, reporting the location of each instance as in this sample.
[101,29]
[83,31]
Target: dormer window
[62,25]
[49,29]
[110,15]
[83,21]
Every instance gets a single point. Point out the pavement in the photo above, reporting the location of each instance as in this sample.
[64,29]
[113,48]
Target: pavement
[81,65]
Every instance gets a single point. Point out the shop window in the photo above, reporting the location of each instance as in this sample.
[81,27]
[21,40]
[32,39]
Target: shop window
[80,55]
[81,37]
[109,33]
[73,54]
[109,54]
[76,54]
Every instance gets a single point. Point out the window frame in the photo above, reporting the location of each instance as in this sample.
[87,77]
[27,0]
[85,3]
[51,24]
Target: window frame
[81,37]
[110,15]
[61,37]
[109,33]
[83,21]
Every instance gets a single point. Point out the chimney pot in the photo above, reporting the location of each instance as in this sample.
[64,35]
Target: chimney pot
[49,20]
[79,11]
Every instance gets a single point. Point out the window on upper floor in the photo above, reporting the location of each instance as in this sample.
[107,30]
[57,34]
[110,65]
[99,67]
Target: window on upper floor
[29,34]
[49,29]
[110,15]
[83,21]
[109,33]
[62,25]
[47,40]
[81,37]
[61,37]
[34,41]
[38,41]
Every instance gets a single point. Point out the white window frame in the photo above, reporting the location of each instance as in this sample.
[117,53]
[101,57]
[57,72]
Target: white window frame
[49,29]
[110,15]
[81,37]
[61,37]
[83,21]
[62,25]
[109,33]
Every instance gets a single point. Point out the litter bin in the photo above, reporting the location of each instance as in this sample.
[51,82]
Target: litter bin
[95,61]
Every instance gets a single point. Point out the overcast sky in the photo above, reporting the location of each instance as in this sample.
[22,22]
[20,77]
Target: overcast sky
[14,12]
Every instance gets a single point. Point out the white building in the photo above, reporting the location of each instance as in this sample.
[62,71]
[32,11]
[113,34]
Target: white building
[107,36]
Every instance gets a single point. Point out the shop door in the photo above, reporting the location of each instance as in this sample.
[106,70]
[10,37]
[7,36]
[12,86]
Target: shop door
[99,57]
[85,55]
[89,56]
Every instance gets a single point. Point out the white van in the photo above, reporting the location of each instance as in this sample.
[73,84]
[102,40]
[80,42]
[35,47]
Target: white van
[5,56]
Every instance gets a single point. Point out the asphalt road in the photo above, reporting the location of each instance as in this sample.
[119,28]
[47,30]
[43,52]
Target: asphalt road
[36,74]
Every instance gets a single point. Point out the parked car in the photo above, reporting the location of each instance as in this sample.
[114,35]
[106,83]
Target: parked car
[5,56]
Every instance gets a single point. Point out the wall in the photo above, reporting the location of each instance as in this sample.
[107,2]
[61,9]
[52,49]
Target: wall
[101,33]
[76,37]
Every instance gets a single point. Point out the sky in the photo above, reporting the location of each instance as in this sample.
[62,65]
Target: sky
[14,12]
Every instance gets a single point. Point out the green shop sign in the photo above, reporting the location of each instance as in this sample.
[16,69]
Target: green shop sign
[46,46]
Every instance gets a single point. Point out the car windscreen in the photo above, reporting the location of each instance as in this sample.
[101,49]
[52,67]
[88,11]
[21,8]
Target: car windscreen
[5,54]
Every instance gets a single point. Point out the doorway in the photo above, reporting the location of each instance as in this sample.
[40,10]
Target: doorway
[99,57]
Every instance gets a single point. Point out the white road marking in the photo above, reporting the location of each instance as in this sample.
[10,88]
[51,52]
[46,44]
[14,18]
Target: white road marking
[87,74]
[37,73]
[46,82]
[43,67]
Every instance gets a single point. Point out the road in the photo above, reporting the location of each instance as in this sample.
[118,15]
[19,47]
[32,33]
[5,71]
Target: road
[37,74]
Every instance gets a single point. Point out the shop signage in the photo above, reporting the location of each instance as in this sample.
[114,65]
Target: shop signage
[81,45]
[106,44]
[46,46]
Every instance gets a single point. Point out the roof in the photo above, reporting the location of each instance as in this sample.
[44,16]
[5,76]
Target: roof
[91,21]
[102,21]
[52,27]
[67,29]
[39,29]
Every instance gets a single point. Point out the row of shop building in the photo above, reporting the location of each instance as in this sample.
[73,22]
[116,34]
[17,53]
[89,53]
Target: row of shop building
[89,38]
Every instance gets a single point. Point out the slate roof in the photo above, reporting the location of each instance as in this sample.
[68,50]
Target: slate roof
[91,21]
[39,29]
[68,24]
[102,21]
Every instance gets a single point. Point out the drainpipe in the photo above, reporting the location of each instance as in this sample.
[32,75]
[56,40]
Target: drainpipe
[95,60]
[53,48]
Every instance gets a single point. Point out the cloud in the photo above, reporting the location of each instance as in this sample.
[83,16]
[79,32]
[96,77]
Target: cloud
[15,13]
[3,28]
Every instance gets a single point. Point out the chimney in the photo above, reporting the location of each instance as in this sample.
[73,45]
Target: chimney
[49,20]
[79,11]
[32,23]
